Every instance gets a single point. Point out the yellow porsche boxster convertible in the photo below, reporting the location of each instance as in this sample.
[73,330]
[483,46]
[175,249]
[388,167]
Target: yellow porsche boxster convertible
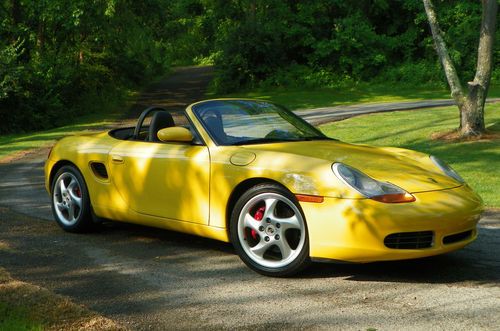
[254,174]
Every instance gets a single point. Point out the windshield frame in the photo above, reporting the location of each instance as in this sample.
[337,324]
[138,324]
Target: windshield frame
[289,117]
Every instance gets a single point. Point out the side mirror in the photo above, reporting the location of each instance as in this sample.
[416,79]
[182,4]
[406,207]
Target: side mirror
[178,134]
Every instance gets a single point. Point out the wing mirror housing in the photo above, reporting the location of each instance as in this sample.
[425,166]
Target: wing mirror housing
[177,134]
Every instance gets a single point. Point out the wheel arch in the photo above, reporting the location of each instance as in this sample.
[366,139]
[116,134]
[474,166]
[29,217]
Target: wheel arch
[55,168]
[243,187]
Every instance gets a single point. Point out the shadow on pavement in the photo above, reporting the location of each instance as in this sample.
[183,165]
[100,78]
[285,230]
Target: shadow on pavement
[127,271]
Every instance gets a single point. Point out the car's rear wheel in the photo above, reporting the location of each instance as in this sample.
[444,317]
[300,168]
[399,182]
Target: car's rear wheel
[269,232]
[70,200]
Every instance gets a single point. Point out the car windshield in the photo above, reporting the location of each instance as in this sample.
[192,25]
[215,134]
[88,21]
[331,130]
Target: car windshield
[241,122]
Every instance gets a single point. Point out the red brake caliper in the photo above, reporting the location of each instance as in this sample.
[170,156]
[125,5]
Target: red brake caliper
[78,192]
[259,215]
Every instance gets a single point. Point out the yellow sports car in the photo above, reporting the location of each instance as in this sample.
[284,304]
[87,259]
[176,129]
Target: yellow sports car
[254,174]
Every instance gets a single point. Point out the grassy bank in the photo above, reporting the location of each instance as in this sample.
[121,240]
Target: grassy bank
[16,143]
[12,144]
[476,161]
[25,306]
[101,115]
[303,98]
[17,318]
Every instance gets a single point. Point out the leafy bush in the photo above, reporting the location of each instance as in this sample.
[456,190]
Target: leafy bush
[297,75]
[60,58]
[325,42]
[413,73]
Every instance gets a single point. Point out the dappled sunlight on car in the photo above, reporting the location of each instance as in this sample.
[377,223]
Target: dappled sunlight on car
[280,200]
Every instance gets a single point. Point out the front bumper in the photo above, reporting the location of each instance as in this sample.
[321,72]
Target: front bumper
[353,230]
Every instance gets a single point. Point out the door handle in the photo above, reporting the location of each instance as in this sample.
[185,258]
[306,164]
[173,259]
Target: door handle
[116,159]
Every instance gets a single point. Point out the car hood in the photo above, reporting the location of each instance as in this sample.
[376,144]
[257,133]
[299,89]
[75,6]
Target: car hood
[410,170]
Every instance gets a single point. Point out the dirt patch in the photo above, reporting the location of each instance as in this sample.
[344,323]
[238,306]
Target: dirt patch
[55,312]
[455,136]
[34,152]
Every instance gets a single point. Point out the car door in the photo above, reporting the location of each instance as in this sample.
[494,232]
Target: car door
[169,180]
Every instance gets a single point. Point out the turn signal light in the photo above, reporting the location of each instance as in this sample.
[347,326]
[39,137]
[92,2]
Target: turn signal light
[309,198]
[394,198]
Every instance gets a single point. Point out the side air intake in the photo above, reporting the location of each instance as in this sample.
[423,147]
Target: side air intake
[99,170]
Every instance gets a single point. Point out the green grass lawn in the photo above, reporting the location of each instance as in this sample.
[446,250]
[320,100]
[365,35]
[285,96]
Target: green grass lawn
[15,318]
[303,98]
[478,162]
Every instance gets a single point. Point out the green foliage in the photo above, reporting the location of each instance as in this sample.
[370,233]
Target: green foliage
[61,58]
[328,42]
[412,74]
[297,75]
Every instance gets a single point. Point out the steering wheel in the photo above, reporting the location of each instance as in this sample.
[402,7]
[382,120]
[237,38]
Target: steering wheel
[143,116]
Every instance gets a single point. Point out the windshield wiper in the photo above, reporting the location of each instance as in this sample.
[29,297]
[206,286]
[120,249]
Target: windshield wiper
[278,140]
[318,138]
[262,140]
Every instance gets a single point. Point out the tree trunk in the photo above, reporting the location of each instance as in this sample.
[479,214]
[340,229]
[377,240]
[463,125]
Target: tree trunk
[471,105]
[472,112]
[40,35]
[16,12]
[472,119]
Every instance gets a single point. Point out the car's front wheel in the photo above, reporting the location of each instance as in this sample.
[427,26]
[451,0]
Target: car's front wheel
[70,200]
[269,232]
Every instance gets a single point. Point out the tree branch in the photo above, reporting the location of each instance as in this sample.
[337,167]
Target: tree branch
[449,69]
[486,41]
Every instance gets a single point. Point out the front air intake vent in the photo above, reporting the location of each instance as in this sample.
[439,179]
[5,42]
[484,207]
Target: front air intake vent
[409,240]
[457,237]
[99,170]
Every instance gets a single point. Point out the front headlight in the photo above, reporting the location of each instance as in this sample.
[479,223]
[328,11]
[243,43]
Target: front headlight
[369,187]
[446,169]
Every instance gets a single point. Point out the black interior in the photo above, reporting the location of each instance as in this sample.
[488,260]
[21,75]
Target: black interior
[160,119]
[122,133]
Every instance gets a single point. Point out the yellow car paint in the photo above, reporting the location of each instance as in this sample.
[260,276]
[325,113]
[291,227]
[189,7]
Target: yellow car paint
[166,180]
[354,229]
[187,188]
[178,134]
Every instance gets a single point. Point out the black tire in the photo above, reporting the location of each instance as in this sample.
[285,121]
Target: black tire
[277,234]
[83,221]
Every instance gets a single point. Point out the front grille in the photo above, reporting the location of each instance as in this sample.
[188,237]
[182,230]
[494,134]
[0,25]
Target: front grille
[409,240]
[457,237]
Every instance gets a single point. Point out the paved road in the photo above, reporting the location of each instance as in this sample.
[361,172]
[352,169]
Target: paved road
[322,115]
[154,279]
